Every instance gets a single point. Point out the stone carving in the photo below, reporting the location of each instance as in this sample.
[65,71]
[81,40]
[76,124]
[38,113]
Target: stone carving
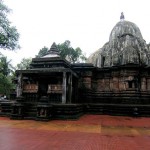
[19,86]
[122,16]
[126,45]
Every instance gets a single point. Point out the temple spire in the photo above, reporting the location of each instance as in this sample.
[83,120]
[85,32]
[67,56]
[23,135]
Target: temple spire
[122,17]
[53,49]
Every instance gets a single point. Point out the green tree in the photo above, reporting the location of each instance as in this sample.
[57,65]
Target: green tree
[5,66]
[24,64]
[66,52]
[6,84]
[8,34]
[71,54]
[42,52]
[6,74]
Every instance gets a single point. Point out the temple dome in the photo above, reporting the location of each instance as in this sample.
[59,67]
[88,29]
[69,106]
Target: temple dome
[94,57]
[126,45]
[123,28]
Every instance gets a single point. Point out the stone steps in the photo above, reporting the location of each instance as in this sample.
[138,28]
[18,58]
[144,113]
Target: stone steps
[67,111]
[30,111]
[5,108]
[119,109]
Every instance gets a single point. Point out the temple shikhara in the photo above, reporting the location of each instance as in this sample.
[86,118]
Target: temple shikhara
[114,80]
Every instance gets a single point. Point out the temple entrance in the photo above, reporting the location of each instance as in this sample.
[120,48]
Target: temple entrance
[50,85]
[43,87]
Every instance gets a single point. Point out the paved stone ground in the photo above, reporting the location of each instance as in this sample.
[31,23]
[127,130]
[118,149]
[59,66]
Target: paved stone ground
[90,132]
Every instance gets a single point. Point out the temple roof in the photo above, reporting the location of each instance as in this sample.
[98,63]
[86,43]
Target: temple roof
[125,28]
[53,51]
[46,71]
[126,45]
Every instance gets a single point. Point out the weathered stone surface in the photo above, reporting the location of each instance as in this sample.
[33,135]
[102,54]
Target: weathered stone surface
[120,77]
[93,57]
[126,45]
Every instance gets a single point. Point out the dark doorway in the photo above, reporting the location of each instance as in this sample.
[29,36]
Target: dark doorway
[130,84]
[43,87]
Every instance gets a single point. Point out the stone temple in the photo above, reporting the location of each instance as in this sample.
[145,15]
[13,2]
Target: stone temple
[115,80]
[125,46]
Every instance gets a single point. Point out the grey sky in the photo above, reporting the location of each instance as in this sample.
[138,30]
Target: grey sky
[86,23]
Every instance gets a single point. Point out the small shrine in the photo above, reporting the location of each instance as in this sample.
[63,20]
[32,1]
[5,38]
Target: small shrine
[48,76]
[50,80]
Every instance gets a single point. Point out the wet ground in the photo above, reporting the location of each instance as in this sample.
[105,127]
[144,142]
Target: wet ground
[90,132]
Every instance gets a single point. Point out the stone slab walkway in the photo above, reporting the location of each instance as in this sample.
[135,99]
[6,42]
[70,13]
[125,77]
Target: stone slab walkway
[90,132]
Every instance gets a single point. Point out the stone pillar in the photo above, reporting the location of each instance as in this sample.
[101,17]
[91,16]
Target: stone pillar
[148,84]
[115,84]
[19,85]
[64,88]
[107,84]
[143,84]
[70,87]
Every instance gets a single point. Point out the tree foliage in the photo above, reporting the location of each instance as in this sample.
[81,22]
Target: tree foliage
[69,53]
[42,52]
[6,72]
[8,34]
[6,84]
[24,64]
[5,65]
[66,52]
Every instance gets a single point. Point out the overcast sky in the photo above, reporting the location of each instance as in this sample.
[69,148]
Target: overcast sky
[86,23]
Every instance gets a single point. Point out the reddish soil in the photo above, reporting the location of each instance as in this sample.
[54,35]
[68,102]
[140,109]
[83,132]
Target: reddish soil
[90,132]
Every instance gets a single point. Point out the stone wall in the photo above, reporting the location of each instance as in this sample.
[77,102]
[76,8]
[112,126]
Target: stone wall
[123,84]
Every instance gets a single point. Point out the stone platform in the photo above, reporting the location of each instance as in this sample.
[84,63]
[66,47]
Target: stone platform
[90,132]
[73,111]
